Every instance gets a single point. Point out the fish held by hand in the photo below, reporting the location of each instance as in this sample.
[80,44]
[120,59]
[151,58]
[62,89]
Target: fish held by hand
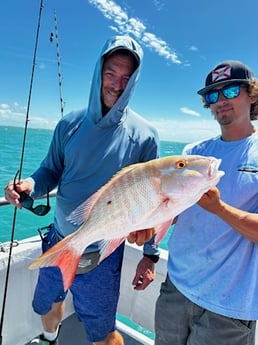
[140,196]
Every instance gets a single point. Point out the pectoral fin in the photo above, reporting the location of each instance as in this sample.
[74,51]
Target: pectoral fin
[108,247]
[161,230]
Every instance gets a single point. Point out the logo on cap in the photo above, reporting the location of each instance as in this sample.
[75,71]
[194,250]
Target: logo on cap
[221,73]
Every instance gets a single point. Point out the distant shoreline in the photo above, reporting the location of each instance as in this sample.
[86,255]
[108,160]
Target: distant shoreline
[52,130]
[29,128]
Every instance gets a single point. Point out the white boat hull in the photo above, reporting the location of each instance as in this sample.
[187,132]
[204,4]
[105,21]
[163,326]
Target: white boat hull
[21,324]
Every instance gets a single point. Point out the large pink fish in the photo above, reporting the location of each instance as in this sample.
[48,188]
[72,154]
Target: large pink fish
[140,196]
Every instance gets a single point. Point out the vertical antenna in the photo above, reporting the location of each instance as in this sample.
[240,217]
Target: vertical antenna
[58,62]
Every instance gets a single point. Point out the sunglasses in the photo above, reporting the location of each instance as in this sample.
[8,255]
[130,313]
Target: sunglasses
[228,91]
[27,201]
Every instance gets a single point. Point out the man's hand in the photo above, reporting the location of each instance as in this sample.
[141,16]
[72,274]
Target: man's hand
[141,236]
[12,196]
[211,201]
[145,274]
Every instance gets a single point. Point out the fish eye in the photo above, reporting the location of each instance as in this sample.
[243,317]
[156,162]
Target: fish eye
[181,164]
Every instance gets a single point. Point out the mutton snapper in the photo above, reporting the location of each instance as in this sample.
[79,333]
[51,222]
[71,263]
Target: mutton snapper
[140,196]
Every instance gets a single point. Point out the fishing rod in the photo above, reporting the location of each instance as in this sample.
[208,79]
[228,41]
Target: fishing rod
[19,174]
[58,56]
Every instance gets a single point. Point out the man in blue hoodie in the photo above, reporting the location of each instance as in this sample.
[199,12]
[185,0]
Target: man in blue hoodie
[87,149]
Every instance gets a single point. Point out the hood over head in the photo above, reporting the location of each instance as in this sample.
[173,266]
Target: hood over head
[116,113]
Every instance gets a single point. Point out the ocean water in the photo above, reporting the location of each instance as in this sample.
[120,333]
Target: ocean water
[25,224]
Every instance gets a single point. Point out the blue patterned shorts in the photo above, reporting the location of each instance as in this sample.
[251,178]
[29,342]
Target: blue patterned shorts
[95,294]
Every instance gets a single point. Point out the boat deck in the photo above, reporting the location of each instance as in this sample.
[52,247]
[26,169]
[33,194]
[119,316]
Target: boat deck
[72,332]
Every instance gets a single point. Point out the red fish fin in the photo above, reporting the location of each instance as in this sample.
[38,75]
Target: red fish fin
[161,230]
[63,255]
[108,247]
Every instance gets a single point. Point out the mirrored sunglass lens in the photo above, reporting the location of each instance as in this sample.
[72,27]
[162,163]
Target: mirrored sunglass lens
[212,97]
[27,202]
[231,91]
[41,210]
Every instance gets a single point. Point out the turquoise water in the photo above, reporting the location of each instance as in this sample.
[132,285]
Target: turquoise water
[37,143]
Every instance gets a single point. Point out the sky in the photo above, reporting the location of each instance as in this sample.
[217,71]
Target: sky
[182,41]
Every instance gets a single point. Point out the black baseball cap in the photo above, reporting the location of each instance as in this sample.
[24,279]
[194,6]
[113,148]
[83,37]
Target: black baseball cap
[227,72]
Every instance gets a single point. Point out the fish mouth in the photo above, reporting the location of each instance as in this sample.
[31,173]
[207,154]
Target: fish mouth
[213,171]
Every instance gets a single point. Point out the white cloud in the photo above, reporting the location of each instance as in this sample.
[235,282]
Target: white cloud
[16,116]
[136,27]
[170,130]
[193,48]
[188,111]
[4,106]
[158,4]
[160,47]
[187,131]
[41,65]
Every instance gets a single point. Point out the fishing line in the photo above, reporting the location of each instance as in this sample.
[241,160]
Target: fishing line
[58,57]
[12,242]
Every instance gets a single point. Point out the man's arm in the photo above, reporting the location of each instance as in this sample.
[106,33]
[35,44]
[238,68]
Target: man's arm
[245,223]
[145,271]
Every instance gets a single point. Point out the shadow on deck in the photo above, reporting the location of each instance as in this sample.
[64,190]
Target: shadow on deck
[72,332]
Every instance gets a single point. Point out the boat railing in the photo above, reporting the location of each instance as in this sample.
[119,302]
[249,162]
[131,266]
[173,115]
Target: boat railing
[4,202]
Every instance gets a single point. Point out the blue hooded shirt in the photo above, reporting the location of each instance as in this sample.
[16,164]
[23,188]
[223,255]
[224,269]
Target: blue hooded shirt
[87,149]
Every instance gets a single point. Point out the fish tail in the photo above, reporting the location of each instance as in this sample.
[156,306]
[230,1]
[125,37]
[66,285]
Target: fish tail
[65,256]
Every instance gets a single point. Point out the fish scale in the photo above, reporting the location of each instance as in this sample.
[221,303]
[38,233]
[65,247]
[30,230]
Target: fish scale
[122,197]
